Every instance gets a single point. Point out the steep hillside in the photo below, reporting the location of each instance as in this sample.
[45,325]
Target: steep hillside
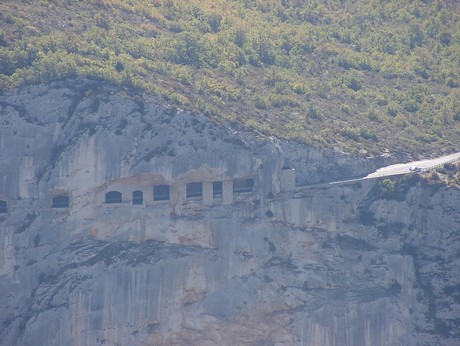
[370,75]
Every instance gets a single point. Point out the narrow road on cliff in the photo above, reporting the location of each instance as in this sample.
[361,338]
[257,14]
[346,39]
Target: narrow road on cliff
[397,169]
[404,168]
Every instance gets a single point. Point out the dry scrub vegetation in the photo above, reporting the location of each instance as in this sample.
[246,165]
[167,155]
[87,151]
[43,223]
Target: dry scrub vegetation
[363,75]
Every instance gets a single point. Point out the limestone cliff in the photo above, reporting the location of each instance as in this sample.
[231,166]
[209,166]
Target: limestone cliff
[231,254]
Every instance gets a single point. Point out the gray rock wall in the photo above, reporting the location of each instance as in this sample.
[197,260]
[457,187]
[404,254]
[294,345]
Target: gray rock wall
[345,265]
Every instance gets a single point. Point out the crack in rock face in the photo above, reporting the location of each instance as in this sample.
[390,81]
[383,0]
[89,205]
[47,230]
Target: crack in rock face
[127,222]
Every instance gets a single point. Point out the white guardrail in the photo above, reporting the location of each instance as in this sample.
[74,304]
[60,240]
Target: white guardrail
[457,159]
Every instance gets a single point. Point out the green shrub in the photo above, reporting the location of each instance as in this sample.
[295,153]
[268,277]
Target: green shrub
[410,105]
[300,88]
[368,134]
[351,133]
[260,102]
[313,112]
[392,110]
[279,101]
[387,187]
[353,83]
[214,21]
[190,49]
[372,115]
[433,177]
[345,109]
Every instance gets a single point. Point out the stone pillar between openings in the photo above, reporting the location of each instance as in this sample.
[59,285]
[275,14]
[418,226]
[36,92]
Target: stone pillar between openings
[207,193]
[148,194]
[179,191]
[287,179]
[227,193]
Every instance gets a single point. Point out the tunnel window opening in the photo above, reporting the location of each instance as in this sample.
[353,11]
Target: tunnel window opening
[217,189]
[161,193]
[194,190]
[138,197]
[60,202]
[3,208]
[113,197]
[243,185]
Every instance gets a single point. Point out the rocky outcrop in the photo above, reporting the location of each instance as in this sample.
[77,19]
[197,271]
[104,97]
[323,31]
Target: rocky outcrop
[353,264]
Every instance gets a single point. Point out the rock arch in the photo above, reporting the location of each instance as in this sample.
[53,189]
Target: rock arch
[243,185]
[112,197]
[161,193]
[61,201]
[3,207]
[217,188]
[138,197]
[194,190]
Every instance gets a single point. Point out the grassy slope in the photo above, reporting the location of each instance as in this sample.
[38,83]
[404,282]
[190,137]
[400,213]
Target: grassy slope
[353,74]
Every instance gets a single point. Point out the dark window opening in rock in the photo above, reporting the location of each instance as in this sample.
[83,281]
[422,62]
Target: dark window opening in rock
[194,190]
[113,197]
[161,193]
[243,185]
[3,208]
[138,197]
[217,189]
[60,202]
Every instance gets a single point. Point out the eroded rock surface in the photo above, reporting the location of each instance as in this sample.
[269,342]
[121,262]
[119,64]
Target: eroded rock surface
[350,264]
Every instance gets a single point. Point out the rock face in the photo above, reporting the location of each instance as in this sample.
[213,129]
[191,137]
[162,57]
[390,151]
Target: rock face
[239,257]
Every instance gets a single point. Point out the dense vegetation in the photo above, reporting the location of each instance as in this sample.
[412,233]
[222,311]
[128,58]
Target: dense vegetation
[355,74]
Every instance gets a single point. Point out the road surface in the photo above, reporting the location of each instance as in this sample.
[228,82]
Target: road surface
[403,168]
[398,169]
